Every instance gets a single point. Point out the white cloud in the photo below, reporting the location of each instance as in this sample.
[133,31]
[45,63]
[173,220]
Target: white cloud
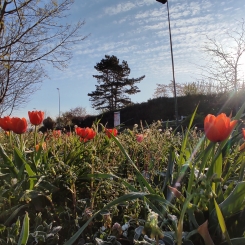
[119,8]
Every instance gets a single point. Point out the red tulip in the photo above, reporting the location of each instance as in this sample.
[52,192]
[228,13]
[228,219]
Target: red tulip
[19,125]
[78,130]
[85,133]
[243,133]
[110,132]
[6,123]
[56,133]
[139,137]
[218,128]
[36,117]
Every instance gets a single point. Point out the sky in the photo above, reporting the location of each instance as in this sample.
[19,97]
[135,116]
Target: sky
[135,31]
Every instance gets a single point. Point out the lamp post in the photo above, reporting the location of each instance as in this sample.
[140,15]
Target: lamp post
[172,59]
[59,105]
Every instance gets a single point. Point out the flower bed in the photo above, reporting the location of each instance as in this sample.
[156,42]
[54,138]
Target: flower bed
[139,186]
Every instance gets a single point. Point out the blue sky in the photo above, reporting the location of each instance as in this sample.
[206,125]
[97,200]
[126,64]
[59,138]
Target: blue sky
[135,31]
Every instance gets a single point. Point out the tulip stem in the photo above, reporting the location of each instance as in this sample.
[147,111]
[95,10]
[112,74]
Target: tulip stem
[35,136]
[21,143]
[10,138]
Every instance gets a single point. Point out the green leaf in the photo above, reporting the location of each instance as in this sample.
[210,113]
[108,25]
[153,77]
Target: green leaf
[169,173]
[8,162]
[235,241]
[46,186]
[19,158]
[14,213]
[24,235]
[220,217]
[235,201]
[183,145]
[181,219]
[222,222]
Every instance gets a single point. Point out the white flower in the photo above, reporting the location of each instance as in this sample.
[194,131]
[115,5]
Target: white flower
[14,181]
[102,228]
[125,226]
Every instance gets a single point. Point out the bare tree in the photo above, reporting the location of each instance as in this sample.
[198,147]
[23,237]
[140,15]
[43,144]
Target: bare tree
[161,90]
[223,66]
[198,87]
[32,34]
[67,117]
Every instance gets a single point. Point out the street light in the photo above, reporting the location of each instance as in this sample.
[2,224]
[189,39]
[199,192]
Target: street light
[172,58]
[59,105]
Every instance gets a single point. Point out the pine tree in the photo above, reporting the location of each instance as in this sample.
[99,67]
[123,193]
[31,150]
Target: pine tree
[114,85]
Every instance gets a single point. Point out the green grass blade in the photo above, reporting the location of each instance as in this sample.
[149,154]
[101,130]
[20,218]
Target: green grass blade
[139,176]
[183,146]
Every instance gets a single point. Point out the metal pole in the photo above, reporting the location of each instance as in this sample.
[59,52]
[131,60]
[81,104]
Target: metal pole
[172,58]
[59,105]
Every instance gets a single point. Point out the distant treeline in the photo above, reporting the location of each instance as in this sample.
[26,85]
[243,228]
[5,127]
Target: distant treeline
[163,109]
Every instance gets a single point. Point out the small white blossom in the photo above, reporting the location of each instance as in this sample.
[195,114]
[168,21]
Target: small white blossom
[102,228]
[125,227]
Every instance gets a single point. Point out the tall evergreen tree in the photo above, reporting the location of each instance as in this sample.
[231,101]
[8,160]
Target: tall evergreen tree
[114,84]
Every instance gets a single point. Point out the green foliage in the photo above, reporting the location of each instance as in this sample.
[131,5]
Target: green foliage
[163,109]
[169,187]
[114,85]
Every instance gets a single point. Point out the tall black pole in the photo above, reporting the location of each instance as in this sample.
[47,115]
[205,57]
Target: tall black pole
[172,59]
[59,105]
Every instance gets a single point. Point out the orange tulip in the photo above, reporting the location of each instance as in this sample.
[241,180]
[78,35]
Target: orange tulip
[36,117]
[218,128]
[5,123]
[43,146]
[19,125]
[110,132]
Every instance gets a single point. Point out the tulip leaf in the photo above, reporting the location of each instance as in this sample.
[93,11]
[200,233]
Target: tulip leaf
[222,222]
[235,201]
[24,235]
[235,241]
[183,145]
[233,210]
[8,162]
[220,217]
[22,162]
[14,213]
[181,219]
[169,173]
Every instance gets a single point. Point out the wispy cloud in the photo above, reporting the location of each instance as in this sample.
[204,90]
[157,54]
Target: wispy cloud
[137,31]
[119,8]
